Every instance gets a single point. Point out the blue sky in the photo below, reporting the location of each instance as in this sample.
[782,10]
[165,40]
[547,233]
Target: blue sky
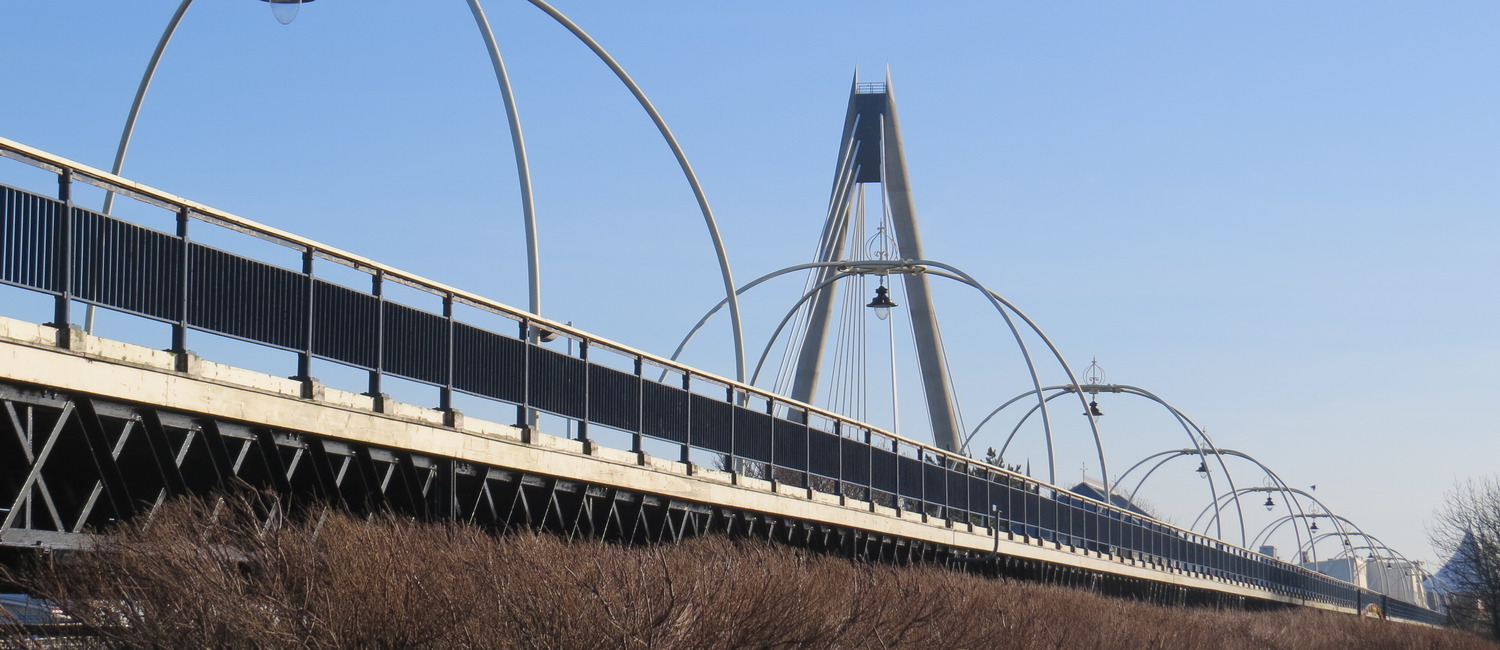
[1278,216]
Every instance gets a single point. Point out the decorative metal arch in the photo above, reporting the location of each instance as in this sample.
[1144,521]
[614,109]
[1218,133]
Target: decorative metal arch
[848,268]
[518,144]
[1190,427]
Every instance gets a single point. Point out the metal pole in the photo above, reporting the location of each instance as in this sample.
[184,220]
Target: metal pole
[687,170]
[523,169]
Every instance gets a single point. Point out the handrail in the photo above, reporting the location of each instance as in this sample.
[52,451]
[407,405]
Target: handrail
[844,427]
[140,191]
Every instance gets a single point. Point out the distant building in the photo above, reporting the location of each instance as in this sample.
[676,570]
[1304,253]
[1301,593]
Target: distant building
[1449,583]
[1093,489]
[1393,577]
[1396,578]
[1348,568]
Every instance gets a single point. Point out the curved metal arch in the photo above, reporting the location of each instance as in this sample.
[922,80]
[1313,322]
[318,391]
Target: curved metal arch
[997,410]
[533,267]
[1051,457]
[523,168]
[1187,423]
[1051,462]
[997,300]
[1202,454]
[748,286]
[687,170]
[806,296]
[1288,491]
[1372,541]
[1371,544]
[1265,534]
[1212,487]
[518,142]
[1282,486]
[953,273]
[140,97]
[1327,512]
[1422,573]
[1288,497]
[1339,522]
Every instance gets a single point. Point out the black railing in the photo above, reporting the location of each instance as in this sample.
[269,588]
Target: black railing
[52,246]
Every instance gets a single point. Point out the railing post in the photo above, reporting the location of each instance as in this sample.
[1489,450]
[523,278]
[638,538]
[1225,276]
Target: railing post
[869,467]
[523,413]
[637,439]
[734,464]
[947,512]
[180,328]
[687,412]
[445,392]
[807,472]
[304,356]
[838,481]
[922,457]
[377,289]
[989,498]
[771,464]
[583,423]
[61,318]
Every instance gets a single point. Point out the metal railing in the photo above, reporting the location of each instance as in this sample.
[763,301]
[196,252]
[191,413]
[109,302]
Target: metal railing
[52,246]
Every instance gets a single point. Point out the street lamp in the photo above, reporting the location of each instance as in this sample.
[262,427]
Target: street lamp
[1094,375]
[285,11]
[882,303]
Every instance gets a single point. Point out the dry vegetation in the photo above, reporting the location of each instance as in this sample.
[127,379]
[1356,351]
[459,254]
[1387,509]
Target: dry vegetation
[206,575]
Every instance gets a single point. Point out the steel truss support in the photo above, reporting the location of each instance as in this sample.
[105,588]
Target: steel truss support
[71,464]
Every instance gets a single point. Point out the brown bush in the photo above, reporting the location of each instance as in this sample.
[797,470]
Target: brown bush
[214,574]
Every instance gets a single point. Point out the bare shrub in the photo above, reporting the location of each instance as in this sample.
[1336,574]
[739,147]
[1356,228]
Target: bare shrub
[1467,528]
[205,573]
